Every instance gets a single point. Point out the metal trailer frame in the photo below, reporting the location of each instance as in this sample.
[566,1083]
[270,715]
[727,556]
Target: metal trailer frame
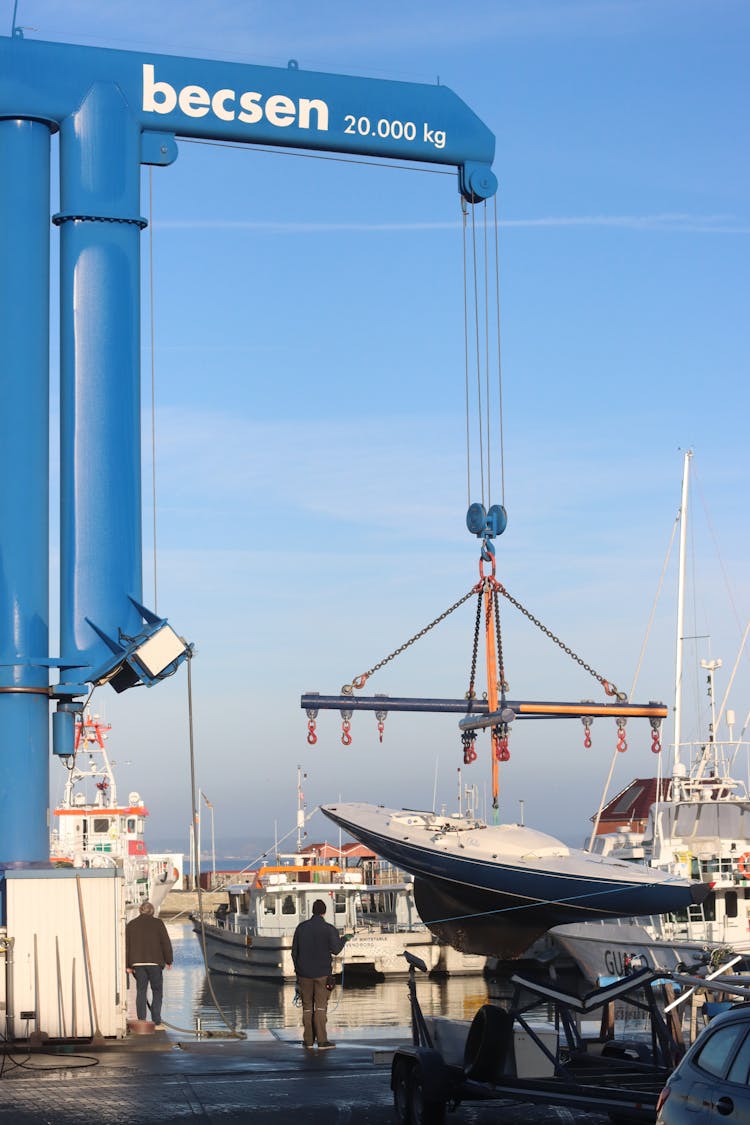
[621,1079]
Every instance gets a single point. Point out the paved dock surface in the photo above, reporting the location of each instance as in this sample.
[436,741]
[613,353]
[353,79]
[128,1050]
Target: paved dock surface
[268,1079]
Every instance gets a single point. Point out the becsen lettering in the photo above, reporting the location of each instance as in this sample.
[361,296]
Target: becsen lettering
[250,107]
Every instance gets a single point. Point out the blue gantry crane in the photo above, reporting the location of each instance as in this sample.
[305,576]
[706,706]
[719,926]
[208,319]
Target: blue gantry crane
[115,111]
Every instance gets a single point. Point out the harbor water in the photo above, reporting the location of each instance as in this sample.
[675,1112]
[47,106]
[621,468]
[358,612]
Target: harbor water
[251,1005]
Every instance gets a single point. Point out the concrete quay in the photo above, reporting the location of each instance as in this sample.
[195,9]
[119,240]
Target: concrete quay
[183,903]
[267,1079]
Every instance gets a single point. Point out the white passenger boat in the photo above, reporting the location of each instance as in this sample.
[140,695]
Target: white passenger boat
[698,826]
[252,935]
[92,828]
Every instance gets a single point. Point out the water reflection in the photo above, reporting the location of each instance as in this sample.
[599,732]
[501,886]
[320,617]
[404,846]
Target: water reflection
[267,1004]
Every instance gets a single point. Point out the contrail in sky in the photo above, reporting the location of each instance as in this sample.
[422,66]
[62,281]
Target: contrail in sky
[705,224]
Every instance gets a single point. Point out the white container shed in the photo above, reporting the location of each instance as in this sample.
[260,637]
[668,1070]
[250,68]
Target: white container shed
[63,975]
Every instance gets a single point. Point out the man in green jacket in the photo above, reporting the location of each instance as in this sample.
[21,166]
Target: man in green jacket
[147,950]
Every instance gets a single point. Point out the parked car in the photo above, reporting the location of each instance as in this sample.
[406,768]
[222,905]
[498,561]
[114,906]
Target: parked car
[713,1079]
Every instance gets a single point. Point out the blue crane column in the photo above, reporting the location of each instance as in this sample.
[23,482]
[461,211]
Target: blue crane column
[24,476]
[100,450]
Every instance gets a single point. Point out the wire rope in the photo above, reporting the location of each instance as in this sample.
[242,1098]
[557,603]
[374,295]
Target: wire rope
[481,306]
[466,356]
[272,151]
[500,418]
[478,352]
[486,311]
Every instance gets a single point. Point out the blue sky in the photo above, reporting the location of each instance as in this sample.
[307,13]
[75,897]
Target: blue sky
[310,458]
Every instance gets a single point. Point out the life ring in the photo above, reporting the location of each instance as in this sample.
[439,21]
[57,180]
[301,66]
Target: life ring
[743,865]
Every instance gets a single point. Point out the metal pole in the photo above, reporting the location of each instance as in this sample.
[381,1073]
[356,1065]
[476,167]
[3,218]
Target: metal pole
[24,495]
[681,611]
[199,848]
[191,857]
[213,851]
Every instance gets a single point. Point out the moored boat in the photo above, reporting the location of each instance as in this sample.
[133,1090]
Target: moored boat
[252,936]
[93,829]
[701,828]
[697,825]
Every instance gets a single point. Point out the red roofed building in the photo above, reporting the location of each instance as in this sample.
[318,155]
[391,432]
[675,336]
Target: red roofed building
[630,808]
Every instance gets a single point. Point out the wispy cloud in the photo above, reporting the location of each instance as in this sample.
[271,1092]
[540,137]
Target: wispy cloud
[677,222]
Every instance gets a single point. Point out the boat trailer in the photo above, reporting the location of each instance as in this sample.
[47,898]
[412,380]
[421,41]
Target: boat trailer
[504,1054]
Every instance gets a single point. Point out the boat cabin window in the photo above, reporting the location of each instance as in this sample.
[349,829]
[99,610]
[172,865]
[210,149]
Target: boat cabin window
[685,820]
[288,906]
[269,905]
[101,824]
[730,904]
[130,824]
[710,820]
[378,902]
[339,903]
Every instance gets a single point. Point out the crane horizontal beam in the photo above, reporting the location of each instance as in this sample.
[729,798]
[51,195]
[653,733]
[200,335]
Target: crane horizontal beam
[476,712]
[240,102]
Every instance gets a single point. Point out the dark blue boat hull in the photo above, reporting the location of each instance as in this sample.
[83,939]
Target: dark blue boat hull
[499,909]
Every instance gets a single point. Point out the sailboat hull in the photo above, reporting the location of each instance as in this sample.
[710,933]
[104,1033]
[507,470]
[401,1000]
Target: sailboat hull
[494,889]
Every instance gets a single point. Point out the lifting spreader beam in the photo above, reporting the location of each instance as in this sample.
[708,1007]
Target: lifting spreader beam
[476,711]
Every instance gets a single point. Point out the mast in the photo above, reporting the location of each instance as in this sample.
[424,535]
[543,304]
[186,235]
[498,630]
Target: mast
[300,809]
[681,612]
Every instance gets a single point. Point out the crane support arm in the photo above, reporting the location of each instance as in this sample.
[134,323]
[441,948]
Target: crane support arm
[289,107]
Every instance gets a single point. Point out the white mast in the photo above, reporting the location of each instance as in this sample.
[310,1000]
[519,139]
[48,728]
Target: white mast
[300,810]
[681,612]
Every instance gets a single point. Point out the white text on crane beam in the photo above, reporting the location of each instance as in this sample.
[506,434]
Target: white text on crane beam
[278,110]
[195,101]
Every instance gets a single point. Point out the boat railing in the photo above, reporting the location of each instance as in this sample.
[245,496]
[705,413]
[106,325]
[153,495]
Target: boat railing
[371,926]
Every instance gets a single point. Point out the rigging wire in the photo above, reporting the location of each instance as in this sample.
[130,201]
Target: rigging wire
[646,636]
[500,420]
[486,311]
[478,352]
[194,826]
[719,556]
[466,357]
[270,150]
[481,275]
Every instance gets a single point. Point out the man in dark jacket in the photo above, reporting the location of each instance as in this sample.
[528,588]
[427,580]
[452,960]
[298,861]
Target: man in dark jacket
[313,944]
[147,950]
